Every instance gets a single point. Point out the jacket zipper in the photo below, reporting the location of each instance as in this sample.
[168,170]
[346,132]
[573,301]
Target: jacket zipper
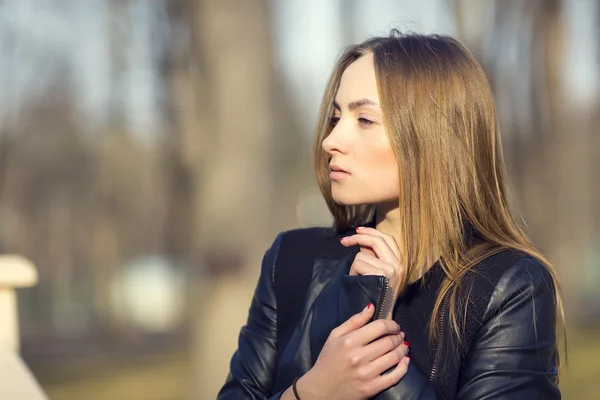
[384,308]
[438,349]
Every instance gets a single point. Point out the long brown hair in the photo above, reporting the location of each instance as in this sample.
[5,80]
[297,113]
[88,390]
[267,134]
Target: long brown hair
[440,117]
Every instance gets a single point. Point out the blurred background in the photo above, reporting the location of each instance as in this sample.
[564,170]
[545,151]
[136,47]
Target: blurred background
[150,151]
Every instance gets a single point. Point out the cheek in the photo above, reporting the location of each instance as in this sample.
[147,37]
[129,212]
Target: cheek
[382,169]
[375,177]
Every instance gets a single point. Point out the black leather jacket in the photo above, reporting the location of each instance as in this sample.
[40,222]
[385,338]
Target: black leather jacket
[510,357]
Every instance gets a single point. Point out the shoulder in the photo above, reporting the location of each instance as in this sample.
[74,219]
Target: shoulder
[526,280]
[511,268]
[509,288]
[511,276]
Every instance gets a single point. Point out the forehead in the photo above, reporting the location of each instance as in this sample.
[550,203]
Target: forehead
[358,81]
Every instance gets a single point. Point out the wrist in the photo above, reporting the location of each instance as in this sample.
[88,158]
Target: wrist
[307,388]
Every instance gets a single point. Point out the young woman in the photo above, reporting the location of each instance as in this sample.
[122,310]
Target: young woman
[423,249]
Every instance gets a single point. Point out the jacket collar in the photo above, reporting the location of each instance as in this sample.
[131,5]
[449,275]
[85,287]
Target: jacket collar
[332,246]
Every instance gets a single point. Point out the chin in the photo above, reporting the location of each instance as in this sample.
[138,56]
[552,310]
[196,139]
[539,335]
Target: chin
[346,199]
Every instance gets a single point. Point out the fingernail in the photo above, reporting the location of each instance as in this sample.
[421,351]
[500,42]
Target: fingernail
[398,328]
[406,343]
[342,239]
[359,227]
[403,335]
[407,360]
[368,307]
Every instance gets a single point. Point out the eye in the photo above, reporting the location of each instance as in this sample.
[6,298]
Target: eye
[333,121]
[364,121]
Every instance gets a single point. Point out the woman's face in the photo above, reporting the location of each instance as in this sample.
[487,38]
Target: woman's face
[363,168]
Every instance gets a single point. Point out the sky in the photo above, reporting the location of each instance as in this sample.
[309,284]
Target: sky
[46,41]
[310,36]
[309,39]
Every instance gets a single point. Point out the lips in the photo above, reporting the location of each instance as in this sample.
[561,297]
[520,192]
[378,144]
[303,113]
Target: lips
[336,168]
[336,173]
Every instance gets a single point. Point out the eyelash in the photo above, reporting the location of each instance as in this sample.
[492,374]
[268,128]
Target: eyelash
[363,121]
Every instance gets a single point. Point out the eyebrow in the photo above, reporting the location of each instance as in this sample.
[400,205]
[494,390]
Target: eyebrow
[356,104]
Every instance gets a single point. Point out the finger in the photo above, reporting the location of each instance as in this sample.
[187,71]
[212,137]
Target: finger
[354,322]
[360,267]
[381,346]
[367,250]
[382,382]
[379,246]
[389,239]
[374,262]
[374,330]
[387,361]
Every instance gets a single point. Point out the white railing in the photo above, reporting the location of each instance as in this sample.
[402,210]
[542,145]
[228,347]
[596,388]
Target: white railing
[16,381]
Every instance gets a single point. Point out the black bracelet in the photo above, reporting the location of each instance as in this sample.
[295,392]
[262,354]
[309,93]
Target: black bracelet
[295,390]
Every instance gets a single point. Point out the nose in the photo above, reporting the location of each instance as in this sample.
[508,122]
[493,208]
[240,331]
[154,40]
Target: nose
[334,143]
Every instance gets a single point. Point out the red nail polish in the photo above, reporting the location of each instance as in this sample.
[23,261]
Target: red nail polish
[369,306]
[406,343]
[342,239]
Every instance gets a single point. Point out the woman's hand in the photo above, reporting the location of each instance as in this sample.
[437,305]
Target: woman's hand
[353,359]
[379,255]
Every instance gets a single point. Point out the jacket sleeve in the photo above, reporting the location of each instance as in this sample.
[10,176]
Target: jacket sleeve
[252,366]
[513,355]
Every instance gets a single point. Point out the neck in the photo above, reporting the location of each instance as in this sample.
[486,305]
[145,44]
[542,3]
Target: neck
[387,220]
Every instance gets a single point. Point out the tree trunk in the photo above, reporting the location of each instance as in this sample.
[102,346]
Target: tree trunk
[223,98]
